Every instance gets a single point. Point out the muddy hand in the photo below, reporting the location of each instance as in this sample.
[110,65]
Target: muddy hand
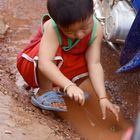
[106,104]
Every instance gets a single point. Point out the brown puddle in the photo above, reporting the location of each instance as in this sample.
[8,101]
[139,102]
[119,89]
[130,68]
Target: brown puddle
[87,120]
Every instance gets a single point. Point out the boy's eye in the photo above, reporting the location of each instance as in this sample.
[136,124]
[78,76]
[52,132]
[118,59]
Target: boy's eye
[69,33]
[85,28]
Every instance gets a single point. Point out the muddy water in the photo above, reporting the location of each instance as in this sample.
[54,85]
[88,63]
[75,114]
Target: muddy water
[88,120]
[123,89]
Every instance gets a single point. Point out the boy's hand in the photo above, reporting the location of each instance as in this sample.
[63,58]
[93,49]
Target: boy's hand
[74,92]
[106,104]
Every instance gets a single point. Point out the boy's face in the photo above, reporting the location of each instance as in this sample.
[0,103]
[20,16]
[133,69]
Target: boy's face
[79,30]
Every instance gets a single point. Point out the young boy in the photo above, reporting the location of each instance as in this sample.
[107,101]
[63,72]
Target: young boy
[66,48]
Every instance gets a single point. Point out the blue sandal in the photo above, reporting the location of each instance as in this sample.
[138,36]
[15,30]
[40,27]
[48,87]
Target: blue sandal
[44,101]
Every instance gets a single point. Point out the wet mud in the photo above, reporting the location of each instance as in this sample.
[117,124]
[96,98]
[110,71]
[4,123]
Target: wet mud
[19,119]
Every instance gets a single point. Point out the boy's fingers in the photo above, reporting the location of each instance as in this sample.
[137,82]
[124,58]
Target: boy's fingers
[81,99]
[115,112]
[76,98]
[117,108]
[70,95]
[103,113]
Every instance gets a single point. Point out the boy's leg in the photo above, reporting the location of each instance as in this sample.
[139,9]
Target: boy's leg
[81,80]
[44,83]
[44,86]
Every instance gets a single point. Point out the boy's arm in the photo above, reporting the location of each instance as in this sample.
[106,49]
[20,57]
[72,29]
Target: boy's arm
[93,61]
[96,73]
[47,51]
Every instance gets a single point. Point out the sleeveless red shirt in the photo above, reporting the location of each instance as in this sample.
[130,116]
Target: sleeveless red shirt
[70,58]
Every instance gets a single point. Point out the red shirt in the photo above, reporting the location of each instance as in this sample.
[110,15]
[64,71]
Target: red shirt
[71,63]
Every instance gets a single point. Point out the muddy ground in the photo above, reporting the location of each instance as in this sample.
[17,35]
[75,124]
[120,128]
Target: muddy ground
[18,118]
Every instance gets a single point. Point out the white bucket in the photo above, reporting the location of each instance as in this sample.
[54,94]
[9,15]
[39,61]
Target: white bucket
[118,23]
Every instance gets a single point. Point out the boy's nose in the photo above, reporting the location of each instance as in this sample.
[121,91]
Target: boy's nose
[80,35]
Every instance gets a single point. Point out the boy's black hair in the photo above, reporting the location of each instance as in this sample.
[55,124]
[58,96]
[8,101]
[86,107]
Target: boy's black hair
[67,12]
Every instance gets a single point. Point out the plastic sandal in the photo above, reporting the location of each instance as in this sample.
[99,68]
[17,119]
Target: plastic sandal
[44,101]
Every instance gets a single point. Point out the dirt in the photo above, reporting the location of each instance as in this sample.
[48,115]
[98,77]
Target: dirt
[20,120]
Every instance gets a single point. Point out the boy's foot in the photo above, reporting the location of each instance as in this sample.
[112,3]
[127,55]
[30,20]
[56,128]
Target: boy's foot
[50,100]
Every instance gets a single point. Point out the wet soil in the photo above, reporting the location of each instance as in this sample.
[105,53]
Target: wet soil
[20,120]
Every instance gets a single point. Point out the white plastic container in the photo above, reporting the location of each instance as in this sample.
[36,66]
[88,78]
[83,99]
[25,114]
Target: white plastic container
[118,23]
